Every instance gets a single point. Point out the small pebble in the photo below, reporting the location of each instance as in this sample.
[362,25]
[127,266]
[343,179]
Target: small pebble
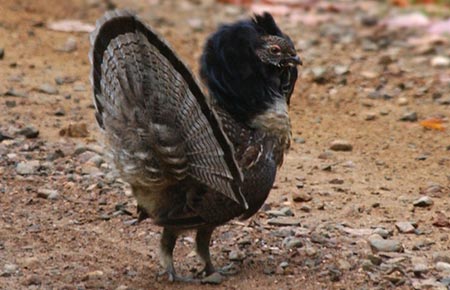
[301,196]
[443,267]
[402,101]
[47,89]
[341,145]
[284,221]
[385,245]
[320,74]
[405,227]
[409,117]
[70,45]
[424,201]
[32,280]
[10,268]
[440,61]
[48,193]
[29,132]
[292,243]
[75,130]
[370,116]
[441,256]
[420,269]
[60,112]
[196,24]
[236,255]
[27,167]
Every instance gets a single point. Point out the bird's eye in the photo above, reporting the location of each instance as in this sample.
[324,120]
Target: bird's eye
[275,49]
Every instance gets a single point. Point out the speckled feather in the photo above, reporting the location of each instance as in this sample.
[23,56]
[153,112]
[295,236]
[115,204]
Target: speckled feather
[189,163]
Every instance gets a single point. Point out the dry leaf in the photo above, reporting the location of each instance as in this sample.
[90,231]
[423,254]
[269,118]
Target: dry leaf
[433,123]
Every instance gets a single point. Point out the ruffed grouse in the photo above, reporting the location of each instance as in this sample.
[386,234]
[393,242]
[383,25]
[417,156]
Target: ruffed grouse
[194,160]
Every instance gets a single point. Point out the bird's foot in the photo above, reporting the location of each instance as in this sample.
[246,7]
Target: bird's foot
[173,277]
[214,278]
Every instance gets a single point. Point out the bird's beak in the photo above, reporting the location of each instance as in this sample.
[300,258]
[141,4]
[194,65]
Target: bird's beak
[295,60]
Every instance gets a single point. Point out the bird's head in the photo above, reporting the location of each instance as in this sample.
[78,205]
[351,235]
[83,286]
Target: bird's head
[250,68]
[277,51]
[273,47]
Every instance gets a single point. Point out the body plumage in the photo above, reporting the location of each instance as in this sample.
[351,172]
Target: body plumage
[194,162]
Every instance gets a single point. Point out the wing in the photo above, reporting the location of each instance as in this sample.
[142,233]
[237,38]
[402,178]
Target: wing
[157,120]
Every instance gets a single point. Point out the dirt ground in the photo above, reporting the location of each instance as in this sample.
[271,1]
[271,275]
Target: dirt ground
[67,222]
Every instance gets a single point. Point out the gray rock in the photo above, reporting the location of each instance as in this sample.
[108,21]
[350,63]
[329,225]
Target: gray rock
[369,45]
[375,260]
[402,101]
[343,265]
[97,160]
[60,112]
[29,132]
[440,61]
[275,213]
[382,232]
[11,104]
[405,227]
[292,243]
[444,101]
[48,89]
[310,251]
[299,140]
[70,45]
[236,255]
[335,273]
[441,256]
[429,283]
[79,88]
[196,24]
[301,196]
[284,221]
[409,117]
[320,74]
[367,265]
[341,70]
[283,232]
[305,208]
[10,269]
[341,145]
[287,211]
[27,167]
[424,201]
[420,269]
[378,245]
[61,80]
[15,93]
[370,116]
[48,193]
[443,267]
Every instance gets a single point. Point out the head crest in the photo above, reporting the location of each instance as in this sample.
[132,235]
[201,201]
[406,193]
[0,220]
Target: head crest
[266,24]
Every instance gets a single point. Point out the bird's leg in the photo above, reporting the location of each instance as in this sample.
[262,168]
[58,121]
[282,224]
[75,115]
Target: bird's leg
[202,241]
[167,244]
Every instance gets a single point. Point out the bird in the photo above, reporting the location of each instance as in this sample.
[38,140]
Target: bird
[196,156]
